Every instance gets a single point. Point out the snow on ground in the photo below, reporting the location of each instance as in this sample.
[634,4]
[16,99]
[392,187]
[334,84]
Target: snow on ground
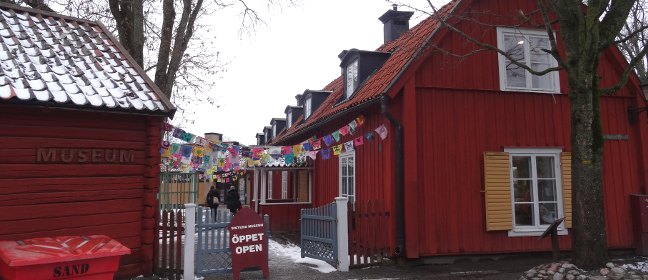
[294,252]
[641,265]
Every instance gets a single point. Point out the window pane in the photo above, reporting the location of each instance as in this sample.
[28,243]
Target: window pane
[343,166]
[350,166]
[344,185]
[547,190]
[524,214]
[514,46]
[522,191]
[515,75]
[541,82]
[545,167]
[548,213]
[351,186]
[521,167]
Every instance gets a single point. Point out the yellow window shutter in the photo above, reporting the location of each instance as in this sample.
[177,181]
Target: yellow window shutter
[565,170]
[497,184]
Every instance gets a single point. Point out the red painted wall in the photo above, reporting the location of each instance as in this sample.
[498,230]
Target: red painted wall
[50,199]
[374,180]
[454,112]
[283,217]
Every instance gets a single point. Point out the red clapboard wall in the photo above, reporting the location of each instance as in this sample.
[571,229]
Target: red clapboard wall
[58,198]
[454,111]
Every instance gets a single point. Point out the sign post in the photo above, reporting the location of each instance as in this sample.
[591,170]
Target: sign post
[553,231]
[248,242]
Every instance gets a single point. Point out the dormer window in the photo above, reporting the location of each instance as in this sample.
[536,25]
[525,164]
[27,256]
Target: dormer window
[289,119]
[307,107]
[351,78]
[274,130]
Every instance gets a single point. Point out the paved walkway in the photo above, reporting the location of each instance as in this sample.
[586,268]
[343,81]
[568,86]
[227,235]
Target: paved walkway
[283,267]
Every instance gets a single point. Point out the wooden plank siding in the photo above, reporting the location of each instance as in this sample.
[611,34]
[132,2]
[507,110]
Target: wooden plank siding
[453,141]
[374,176]
[283,217]
[460,113]
[49,199]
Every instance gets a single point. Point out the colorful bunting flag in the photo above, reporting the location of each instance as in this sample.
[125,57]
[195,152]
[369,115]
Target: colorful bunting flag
[337,149]
[199,151]
[344,130]
[286,150]
[298,149]
[328,140]
[178,133]
[348,146]
[289,158]
[369,135]
[360,120]
[307,146]
[382,131]
[316,144]
[358,141]
[312,154]
[326,153]
[352,126]
[167,127]
[336,135]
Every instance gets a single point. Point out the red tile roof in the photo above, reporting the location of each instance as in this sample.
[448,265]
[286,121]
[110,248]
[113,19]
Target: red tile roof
[57,60]
[404,50]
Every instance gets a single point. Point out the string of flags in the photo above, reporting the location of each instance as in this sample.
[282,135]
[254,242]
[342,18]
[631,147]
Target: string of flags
[200,154]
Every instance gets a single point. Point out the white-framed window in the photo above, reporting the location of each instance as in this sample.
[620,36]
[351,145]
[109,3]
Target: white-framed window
[536,190]
[274,130]
[347,176]
[351,78]
[289,119]
[284,184]
[269,184]
[526,46]
[307,107]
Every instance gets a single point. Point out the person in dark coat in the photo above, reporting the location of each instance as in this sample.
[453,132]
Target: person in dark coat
[213,199]
[233,200]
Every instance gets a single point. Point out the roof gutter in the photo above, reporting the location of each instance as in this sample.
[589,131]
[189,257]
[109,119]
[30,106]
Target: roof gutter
[400,202]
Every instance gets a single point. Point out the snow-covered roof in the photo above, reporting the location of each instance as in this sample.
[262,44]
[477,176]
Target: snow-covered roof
[54,60]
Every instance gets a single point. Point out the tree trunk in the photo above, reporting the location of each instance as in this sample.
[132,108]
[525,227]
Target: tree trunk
[589,242]
[129,17]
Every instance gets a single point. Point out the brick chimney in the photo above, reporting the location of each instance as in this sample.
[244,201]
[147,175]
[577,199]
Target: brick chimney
[395,23]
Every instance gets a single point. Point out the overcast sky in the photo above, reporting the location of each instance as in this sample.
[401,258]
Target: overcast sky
[296,50]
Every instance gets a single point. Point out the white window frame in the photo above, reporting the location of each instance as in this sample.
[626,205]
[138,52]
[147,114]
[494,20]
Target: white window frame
[350,88]
[289,119]
[284,184]
[345,156]
[269,184]
[555,153]
[501,31]
[308,107]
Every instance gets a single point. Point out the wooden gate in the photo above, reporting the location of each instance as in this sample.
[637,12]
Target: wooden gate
[175,190]
[368,244]
[213,255]
[167,252]
[319,233]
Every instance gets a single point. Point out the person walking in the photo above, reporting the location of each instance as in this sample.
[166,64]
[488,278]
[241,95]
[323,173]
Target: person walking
[213,200]
[233,199]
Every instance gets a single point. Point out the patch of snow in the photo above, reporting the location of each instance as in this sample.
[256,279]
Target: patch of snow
[638,266]
[294,252]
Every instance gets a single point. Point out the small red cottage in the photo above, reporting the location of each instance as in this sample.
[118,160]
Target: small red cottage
[80,128]
[477,154]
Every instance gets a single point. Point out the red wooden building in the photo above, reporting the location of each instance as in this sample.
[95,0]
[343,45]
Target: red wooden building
[80,126]
[477,157]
